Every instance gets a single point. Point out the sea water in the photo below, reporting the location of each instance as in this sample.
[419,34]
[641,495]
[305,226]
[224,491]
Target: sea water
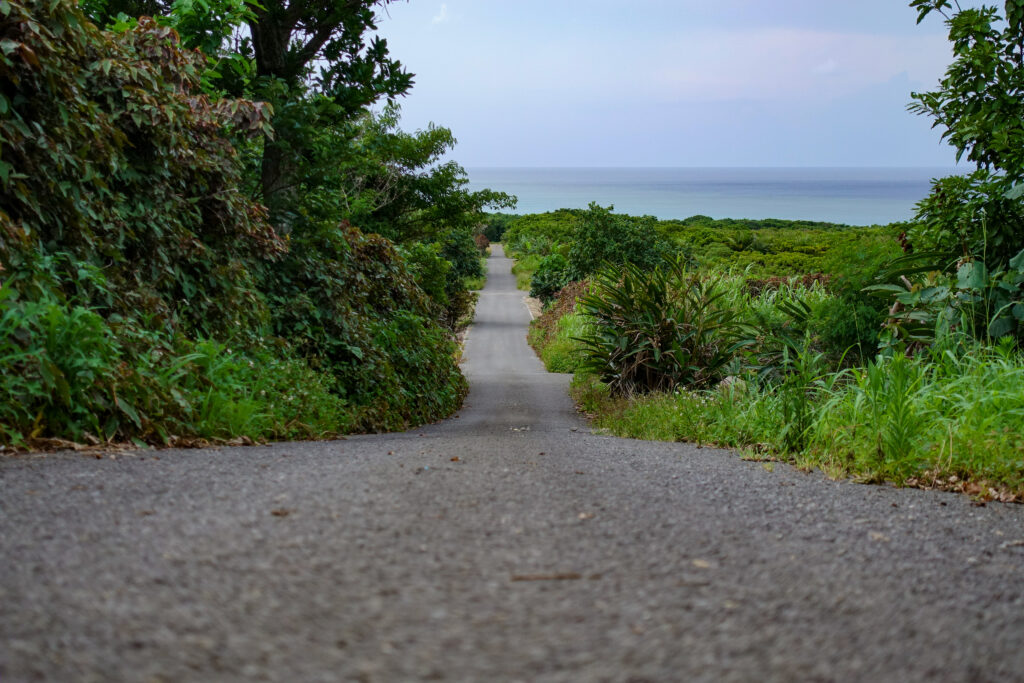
[851,196]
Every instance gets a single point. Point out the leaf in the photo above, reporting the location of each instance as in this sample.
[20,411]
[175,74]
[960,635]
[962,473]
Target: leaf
[885,288]
[128,410]
[972,275]
[1015,192]
[1000,327]
[1017,262]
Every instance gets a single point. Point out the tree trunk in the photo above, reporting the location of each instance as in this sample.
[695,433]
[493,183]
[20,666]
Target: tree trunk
[271,31]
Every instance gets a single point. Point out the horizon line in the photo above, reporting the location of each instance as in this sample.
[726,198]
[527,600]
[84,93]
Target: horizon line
[697,166]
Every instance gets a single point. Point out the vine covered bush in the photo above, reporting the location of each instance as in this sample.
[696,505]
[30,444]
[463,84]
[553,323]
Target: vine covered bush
[145,295]
[114,164]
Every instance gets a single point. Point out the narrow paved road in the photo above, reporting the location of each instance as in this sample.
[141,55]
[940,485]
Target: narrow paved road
[507,544]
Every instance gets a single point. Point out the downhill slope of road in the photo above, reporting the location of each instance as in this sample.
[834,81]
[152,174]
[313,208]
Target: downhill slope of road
[505,544]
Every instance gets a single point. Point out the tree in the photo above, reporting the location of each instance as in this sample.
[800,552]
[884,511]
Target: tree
[979,105]
[969,235]
[311,61]
[602,237]
[289,37]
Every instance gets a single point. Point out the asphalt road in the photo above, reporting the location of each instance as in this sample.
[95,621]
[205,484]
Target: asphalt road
[506,544]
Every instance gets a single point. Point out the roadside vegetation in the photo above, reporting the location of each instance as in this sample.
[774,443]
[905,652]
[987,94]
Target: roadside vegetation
[884,353]
[199,241]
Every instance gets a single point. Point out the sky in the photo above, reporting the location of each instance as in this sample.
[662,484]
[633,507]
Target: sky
[647,83]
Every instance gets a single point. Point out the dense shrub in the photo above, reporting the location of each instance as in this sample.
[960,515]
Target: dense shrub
[603,237]
[551,276]
[144,294]
[537,233]
[113,159]
[66,371]
[349,304]
[495,226]
[429,269]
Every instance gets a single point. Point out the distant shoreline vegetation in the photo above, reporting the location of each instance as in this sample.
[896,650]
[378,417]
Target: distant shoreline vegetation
[765,247]
[853,196]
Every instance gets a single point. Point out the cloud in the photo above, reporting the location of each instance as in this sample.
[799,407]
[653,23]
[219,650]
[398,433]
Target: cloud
[442,16]
[779,64]
[827,67]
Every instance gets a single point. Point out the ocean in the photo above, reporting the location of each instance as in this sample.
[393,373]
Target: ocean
[852,196]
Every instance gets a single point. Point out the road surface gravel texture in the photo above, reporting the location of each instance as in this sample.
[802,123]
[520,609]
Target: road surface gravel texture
[505,544]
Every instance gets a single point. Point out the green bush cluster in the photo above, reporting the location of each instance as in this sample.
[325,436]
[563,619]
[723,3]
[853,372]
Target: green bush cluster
[145,294]
[551,275]
[69,372]
[756,248]
[602,237]
[115,162]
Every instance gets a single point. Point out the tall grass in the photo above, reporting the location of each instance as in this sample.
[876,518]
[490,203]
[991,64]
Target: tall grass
[66,371]
[524,268]
[897,419]
[563,353]
[942,413]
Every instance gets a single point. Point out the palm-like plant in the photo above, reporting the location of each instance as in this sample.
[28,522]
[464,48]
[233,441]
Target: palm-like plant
[657,329]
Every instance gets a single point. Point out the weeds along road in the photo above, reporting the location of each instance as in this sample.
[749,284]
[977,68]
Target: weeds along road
[507,544]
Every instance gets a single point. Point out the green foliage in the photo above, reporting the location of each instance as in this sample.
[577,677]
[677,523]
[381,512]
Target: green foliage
[969,217]
[395,183]
[973,301]
[656,329]
[388,182]
[946,413]
[54,361]
[558,344]
[495,226]
[970,226]
[430,270]
[411,379]
[145,295]
[538,233]
[564,352]
[524,268]
[68,372]
[760,248]
[852,320]
[475,283]
[978,103]
[347,302]
[602,237]
[940,419]
[353,71]
[551,275]
[113,160]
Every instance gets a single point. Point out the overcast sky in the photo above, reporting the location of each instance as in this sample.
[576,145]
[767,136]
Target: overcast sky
[672,82]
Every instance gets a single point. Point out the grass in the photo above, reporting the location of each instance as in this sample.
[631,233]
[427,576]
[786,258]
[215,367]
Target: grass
[66,371]
[524,268]
[562,352]
[943,419]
